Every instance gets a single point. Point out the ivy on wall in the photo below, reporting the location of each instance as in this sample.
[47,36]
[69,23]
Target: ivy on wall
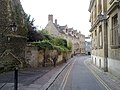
[51,43]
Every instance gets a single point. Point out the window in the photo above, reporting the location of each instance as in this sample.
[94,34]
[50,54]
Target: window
[95,40]
[100,37]
[66,30]
[95,32]
[92,18]
[95,13]
[99,7]
[115,35]
[92,35]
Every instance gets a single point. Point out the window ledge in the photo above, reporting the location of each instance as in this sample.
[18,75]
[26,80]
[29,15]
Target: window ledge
[100,47]
[115,46]
[95,48]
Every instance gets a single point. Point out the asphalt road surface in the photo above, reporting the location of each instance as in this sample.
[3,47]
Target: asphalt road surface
[77,76]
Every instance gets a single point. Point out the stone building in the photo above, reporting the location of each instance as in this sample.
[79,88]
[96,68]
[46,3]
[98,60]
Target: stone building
[105,34]
[98,30]
[87,46]
[76,38]
[12,40]
[113,29]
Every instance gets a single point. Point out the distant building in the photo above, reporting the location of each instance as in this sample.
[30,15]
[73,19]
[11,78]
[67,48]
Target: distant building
[76,38]
[87,46]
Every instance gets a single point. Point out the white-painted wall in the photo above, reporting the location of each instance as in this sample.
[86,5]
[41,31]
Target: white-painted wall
[114,67]
[97,62]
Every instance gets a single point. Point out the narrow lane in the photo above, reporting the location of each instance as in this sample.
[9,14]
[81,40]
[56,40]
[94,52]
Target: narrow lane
[77,77]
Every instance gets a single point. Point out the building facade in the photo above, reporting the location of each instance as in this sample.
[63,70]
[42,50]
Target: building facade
[98,30]
[113,11]
[105,34]
[72,36]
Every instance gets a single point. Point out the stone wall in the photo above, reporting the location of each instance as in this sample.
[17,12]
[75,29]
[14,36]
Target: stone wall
[34,57]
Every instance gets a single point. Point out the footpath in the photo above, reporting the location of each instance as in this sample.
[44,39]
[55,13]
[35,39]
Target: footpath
[42,83]
[108,80]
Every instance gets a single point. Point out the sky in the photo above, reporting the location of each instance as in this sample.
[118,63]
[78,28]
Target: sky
[74,13]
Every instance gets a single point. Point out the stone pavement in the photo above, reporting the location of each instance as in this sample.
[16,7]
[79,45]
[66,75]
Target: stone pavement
[110,81]
[41,83]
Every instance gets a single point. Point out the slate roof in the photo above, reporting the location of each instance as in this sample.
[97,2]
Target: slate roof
[60,28]
[70,31]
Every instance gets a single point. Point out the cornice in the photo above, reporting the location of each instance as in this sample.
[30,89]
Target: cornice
[99,19]
[113,7]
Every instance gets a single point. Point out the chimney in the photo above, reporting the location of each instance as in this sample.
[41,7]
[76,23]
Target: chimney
[50,18]
[56,21]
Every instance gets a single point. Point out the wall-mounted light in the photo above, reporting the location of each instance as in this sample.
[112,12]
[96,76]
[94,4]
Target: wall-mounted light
[14,27]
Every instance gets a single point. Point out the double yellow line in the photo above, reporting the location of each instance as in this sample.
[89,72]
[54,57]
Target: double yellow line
[97,77]
[64,81]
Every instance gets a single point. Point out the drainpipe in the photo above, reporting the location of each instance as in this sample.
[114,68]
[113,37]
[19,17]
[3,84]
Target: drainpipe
[105,46]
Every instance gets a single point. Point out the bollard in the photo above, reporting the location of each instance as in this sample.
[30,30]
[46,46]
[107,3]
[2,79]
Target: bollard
[16,79]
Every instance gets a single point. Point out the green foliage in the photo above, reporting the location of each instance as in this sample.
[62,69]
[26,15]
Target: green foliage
[45,44]
[59,42]
[69,45]
[61,49]
[52,43]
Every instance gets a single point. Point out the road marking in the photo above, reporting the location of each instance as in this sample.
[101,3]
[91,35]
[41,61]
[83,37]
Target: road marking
[64,81]
[98,78]
[2,85]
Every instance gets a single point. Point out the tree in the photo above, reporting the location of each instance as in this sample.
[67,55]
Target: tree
[32,35]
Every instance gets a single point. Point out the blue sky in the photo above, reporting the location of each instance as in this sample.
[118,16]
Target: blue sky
[74,13]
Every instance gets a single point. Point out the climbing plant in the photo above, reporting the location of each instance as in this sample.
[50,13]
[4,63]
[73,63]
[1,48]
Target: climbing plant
[51,43]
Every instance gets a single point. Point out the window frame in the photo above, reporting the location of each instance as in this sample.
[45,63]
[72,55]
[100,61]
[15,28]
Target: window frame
[115,35]
[100,37]
[95,39]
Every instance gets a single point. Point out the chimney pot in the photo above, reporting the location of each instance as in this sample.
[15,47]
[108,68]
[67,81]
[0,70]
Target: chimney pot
[56,21]
[50,18]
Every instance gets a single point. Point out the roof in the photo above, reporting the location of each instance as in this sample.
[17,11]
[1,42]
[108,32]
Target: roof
[65,30]
[60,28]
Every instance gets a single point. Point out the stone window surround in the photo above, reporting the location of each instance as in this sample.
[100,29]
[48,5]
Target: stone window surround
[114,44]
[95,42]
[100,37]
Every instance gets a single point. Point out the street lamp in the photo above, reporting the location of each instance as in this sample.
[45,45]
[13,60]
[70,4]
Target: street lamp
[14,27]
